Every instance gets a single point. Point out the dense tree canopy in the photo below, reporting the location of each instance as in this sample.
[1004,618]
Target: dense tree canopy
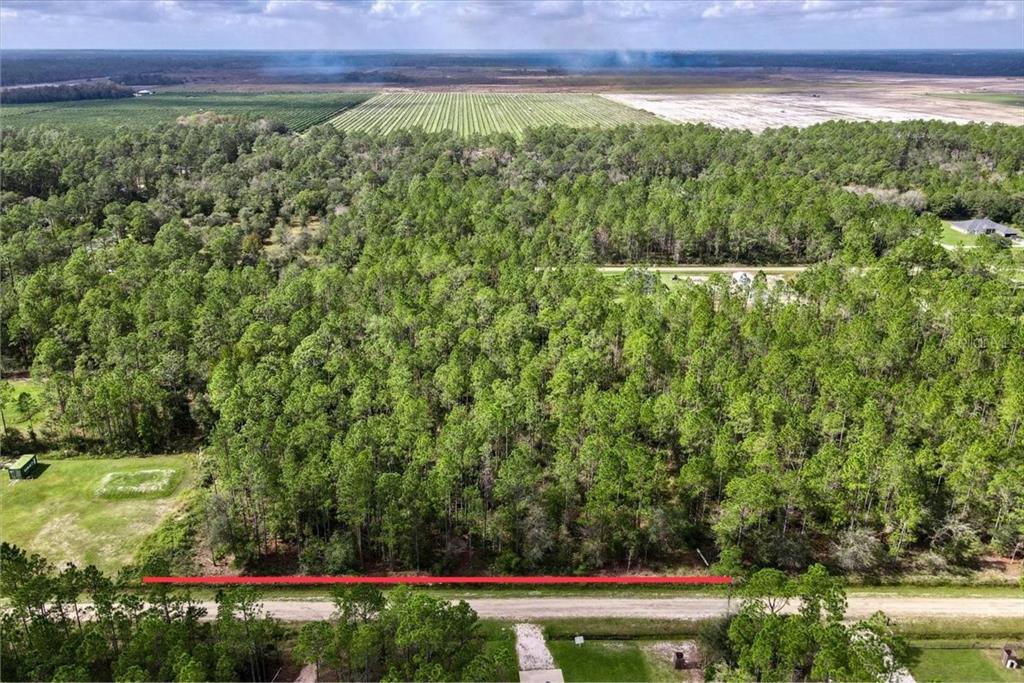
[75,624]
[810,642]
[397,352]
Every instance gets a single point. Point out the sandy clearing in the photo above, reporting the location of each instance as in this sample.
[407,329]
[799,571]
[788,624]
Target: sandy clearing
[758,111]
[524,609]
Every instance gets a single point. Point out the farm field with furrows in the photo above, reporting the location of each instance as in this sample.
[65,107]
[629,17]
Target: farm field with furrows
[471,113]
[298,111]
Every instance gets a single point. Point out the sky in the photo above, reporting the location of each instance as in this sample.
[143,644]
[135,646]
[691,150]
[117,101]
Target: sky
[512,24]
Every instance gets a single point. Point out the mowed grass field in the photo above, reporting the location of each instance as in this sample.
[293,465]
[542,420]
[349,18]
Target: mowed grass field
[608,660]
[92,511]
[298,111]
[469,113]
[1006,99]
[942,662]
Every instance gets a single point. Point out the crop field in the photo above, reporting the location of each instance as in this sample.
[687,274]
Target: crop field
[94,511]
[298,111]
[472,113]
[1004,98]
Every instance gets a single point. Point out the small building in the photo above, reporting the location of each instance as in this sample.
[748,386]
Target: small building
[1009,659]
[22,467]
[984,226]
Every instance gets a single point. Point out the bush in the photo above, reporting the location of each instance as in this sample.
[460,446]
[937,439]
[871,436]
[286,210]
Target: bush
[713,642]
[858,551]
[958,542]
[334,556]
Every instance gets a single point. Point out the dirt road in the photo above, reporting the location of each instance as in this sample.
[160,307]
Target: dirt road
[675,608]
[703,270]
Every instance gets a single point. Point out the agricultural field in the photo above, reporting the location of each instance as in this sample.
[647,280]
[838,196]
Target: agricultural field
[92,511]
[1003,98]
[472,113]
[298,111]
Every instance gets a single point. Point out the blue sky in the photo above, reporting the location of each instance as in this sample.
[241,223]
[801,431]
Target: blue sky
[512,24]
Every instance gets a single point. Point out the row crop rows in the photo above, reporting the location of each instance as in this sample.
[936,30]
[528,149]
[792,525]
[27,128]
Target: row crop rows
[471,113]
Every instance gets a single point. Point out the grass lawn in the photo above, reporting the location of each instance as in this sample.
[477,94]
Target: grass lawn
[961,664]
[955,238]
[601,661]
[608,660]
[92,511]
[14,416]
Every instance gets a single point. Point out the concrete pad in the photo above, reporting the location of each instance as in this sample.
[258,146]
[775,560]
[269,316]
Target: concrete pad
[542,676]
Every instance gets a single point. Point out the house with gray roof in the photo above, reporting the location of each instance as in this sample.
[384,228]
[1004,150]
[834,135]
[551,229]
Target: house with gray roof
[984,226]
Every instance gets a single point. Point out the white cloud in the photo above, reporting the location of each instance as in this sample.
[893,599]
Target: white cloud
[510,24]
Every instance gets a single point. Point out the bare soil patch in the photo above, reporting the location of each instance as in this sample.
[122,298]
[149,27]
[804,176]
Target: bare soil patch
[882,98]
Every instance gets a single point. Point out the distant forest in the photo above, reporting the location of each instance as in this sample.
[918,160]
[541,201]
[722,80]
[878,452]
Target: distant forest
[47,66]
[396,351]
[95,90]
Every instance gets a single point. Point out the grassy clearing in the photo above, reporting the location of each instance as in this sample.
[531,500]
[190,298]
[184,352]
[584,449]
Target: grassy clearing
[476,113]
[615,628]
[1009,589]
[611,591]
[24,406]
[1006,99]
[61,515]
[948,662]
[955,238]
[601,661]
[154,483]
[946,628]
[298,111]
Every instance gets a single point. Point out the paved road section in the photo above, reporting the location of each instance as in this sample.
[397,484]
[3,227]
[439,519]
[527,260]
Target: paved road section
[674,608]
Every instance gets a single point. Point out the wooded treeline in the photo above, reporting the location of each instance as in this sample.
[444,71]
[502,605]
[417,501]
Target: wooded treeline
[75,624]
[66,92]
[397,354]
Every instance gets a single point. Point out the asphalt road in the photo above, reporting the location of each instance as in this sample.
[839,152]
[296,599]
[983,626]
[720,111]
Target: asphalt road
[674,608]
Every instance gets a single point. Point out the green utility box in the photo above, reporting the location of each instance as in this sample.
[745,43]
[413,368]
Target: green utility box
[22,467]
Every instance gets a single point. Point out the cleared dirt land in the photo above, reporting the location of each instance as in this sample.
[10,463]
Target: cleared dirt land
[881,98]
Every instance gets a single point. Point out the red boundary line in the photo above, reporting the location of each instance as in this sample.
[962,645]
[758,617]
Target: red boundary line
[433,580]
